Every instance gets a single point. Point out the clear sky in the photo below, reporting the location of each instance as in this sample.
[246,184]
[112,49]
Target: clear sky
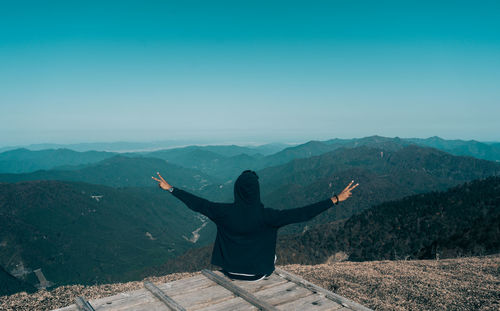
[83,71]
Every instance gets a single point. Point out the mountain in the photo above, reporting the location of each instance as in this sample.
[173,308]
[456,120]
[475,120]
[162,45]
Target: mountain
[120,171]
[234,150]
[119,146]
[225,162]
[309,149]
[461,147]
[382,175]
[221,160]
[462,221]
[24,160]
[83,233]
[480,150]
[387,143]
[315,148]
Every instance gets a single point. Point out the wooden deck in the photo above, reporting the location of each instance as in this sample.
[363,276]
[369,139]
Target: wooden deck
[212,291]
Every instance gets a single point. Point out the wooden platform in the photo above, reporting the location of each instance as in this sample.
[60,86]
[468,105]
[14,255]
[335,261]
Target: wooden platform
[212,291]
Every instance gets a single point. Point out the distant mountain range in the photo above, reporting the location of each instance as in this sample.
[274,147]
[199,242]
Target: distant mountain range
[125,147]
[487,151]
[82,233]
[462,221]
[228,165]
[119,146]
[383,175]
[226,161]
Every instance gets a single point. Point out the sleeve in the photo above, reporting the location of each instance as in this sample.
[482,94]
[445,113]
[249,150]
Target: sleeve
[196,203]
[279,218]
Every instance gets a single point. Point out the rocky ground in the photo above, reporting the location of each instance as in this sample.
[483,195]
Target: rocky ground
[452,284]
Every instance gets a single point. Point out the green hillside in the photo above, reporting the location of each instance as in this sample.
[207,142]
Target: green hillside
[24,160]
[120,171]
[382,175]
[462,221]
[83,233]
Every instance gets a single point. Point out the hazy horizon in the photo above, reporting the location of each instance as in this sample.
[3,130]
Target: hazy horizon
[152,145]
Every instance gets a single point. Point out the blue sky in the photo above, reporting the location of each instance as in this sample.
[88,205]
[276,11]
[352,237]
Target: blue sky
[256,71]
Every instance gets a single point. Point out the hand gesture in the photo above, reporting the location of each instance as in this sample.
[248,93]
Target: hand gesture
[346,193]
[162,183]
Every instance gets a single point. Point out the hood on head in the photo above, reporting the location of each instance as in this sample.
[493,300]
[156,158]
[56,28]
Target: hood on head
[246,188]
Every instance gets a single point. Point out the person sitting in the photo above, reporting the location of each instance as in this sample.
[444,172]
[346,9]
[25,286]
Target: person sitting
[245,244]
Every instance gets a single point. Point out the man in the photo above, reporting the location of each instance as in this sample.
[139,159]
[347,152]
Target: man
[245,245]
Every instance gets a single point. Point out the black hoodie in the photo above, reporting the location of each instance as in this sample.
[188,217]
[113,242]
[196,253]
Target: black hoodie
[246,231]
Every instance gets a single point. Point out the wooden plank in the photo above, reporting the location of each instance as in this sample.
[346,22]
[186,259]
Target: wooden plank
[238,291]
[233,304]
[284,293]
[124,300]
[204,298]
[139,297]
[328,294]
[83,305]
[157,306]
[237,303]
[314,302]
[192,284]
[152,304]
[254,286]
[158,293]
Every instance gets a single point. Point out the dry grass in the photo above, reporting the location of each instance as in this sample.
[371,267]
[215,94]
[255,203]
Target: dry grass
[452,284]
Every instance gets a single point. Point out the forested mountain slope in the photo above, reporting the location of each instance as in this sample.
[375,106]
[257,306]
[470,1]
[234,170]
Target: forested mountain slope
[83,233]
[464,220]
[120,171]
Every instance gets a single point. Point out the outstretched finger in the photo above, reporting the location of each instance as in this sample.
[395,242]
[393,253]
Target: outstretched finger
[354,187]
[347,188]
[160,176]
[156,179]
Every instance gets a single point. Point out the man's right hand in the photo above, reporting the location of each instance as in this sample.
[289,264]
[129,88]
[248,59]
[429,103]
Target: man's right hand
[346,193]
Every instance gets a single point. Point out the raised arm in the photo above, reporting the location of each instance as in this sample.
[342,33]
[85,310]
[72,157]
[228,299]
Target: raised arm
[192,201]
[280,218]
